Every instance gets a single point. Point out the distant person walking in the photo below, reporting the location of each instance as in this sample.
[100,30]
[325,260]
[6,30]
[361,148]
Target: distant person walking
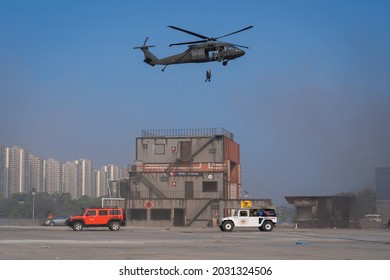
[208,75]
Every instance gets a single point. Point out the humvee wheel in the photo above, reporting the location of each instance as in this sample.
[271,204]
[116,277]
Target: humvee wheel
[267,226]
[228,226]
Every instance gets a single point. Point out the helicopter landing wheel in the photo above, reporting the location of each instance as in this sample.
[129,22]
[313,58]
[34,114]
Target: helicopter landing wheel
[224,63]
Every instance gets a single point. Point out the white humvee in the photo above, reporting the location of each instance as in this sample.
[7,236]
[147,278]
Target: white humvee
[264,219]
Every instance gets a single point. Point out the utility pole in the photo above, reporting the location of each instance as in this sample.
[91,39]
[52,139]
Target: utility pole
[33,203]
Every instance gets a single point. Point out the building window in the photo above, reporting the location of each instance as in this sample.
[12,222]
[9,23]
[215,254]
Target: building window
[160,214]
[210,186]
[135,194]
[159,149]
[137,214]
[185,150]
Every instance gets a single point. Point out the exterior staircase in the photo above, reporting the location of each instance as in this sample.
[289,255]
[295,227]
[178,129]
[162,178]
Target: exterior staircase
[198,213]
[175,160]
[149,185]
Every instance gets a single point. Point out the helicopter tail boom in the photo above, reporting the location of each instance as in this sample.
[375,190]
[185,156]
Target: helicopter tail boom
[150,58]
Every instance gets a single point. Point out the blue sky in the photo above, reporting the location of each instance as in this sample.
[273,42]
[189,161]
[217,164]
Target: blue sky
[308,103]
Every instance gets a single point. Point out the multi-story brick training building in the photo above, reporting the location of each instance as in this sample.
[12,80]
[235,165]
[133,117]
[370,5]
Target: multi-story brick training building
[183,177]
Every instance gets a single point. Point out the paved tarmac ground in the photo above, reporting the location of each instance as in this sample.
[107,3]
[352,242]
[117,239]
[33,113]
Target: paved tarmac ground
[145,243]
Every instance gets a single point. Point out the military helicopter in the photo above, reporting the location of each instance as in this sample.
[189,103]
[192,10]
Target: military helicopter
[206,50]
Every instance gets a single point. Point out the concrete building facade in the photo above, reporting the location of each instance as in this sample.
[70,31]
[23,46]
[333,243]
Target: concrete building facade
[71,179]
[22,172]
[4,170]
[38,169]
[183,177]
[19,171]
[53,176]
[324,211]
[382,182]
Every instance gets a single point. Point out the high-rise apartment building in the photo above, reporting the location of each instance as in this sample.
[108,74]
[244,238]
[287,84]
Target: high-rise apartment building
[104,175]
[4,171]
[53,176]
[101,181]
[86,176]
[71,179]
[37,172]
[115,172]
[19,171]
[22,172]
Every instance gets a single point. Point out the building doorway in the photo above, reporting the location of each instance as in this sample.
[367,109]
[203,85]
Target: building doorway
[178,217]
[189,190]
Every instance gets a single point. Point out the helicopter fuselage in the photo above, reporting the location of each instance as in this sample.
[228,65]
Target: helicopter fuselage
[206,50]
[221,52]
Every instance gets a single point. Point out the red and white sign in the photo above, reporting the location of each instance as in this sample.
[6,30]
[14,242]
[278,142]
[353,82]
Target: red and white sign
[148,204]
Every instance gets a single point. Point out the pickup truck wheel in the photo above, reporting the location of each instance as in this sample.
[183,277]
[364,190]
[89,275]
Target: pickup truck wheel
[228,226]
[51,223]
[268,226]
[114,226]
[77,226]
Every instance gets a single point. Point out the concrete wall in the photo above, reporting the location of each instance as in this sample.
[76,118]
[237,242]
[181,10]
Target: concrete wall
[383,208]
[173,186]
[19,222]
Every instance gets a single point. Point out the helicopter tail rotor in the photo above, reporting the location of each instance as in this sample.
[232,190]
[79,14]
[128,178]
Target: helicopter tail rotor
[144,46]
[150,58]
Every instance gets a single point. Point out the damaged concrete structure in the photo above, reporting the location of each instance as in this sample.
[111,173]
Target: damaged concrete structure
[324,211]
[382,180]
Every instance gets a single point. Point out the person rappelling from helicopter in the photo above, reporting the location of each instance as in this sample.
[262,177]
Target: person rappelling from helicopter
[208,75]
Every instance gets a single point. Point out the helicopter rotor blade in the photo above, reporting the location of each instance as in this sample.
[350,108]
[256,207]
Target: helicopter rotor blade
[188,43]
[188,32]
[240,46]
[205,38]
[246,28]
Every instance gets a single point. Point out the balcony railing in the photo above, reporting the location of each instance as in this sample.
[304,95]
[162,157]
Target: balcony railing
[190,132]
[195,167]
[176,194]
